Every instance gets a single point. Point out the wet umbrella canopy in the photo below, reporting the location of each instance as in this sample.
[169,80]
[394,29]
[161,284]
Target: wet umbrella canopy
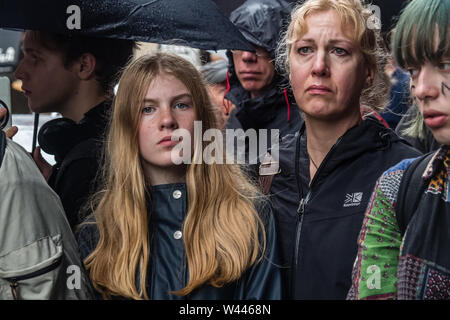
[194,23]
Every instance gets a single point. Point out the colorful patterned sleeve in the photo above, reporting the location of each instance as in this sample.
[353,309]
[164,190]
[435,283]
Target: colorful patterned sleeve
[375,269]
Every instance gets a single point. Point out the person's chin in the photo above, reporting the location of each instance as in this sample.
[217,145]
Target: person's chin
[316,109]
[252,85]
[442,135]
[37,107]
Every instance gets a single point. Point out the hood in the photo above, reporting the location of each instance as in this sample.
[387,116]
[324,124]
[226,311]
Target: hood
[262,21]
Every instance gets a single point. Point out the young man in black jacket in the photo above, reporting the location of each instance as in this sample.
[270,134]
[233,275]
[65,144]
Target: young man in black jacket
[73,76]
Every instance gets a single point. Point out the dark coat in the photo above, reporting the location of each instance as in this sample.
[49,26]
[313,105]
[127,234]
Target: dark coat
[167,263]
[77,149]
[318,224]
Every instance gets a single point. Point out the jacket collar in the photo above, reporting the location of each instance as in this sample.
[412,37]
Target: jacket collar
[59,136]
[439,161]
[166,201]
[368,135]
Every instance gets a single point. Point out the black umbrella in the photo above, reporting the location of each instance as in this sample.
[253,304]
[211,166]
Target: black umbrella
[389,9]
[195,23]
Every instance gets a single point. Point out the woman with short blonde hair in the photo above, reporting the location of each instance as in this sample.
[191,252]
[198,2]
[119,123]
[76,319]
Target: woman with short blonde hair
[375,94]
[335,64]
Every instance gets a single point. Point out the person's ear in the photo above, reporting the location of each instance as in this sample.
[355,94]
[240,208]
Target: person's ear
[86,66]
[370,77]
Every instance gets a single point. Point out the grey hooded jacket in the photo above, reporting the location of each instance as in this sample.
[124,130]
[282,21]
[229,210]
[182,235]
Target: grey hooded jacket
[39,257]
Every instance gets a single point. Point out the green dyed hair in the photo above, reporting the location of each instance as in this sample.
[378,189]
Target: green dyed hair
[421,22]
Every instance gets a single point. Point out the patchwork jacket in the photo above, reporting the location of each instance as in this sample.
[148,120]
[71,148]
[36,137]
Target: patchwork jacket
[416,264]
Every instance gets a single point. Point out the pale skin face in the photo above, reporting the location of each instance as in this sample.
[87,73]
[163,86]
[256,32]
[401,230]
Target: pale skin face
[46,83]
[327,70]
[327,75]
[430,86]
[254,71]
[167,106]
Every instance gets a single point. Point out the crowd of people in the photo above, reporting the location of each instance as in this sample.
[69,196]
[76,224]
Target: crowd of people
[349,201]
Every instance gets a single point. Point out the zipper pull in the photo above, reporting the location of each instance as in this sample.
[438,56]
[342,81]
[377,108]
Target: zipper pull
[303,203]
[301,206]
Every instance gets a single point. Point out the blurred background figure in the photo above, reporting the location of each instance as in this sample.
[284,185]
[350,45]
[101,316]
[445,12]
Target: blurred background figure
[399,95]
[73,76]
[260,94]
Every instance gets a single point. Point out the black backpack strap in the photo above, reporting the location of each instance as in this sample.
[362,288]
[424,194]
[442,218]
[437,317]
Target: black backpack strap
[410,191]
[2,146]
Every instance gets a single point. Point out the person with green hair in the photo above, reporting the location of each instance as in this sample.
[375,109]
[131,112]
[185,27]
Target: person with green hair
[404,243]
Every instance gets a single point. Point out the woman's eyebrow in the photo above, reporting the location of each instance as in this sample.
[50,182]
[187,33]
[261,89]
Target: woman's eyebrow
[183,95]
[332,41]
[306,40]
[337,41]
[180,96]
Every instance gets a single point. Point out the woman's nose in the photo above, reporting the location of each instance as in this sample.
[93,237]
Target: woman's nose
[320,66]
[167,119]
[426,86]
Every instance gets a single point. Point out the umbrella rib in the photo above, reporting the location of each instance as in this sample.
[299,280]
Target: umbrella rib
[139,7]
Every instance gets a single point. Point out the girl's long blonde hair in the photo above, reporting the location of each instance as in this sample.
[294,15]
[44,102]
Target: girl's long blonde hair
[223,233]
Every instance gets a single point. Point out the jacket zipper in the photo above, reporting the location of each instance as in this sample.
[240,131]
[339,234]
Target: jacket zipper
[302,205]
[299,223]
[300,214]
[14,280]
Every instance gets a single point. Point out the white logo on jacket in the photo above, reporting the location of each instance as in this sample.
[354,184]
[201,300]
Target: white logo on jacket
[353,199]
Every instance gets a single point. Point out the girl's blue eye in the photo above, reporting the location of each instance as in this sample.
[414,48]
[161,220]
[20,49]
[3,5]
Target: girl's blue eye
[181,105]
[148,109]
